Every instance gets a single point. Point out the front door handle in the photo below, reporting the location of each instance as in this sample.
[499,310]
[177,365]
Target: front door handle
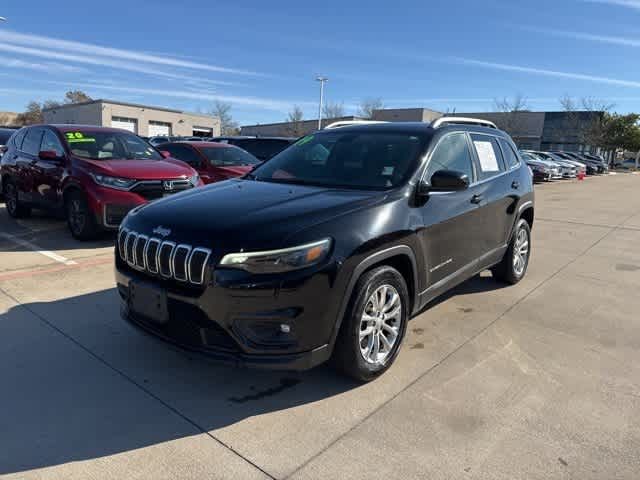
[515,184]
[477,199]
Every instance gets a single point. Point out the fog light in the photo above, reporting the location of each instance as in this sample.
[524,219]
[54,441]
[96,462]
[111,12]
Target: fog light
[284,328]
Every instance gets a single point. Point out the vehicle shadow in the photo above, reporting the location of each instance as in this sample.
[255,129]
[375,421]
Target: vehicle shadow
[79,383]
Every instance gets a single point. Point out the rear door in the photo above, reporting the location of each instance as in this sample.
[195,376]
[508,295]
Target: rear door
[47,174]
[453,226]
[498,186]
[27,157]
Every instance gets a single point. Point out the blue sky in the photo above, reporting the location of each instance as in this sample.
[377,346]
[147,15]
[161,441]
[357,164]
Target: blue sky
[262,57]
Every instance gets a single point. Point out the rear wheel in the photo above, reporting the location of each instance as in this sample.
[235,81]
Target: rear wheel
[80,220]
[514,264]
[374,326]
[15,207]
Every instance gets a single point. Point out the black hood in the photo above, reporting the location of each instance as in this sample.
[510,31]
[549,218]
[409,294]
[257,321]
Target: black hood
[244,214]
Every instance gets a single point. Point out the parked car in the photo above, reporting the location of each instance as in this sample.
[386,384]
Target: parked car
[92,175]
[5,135]
[263,148]
[326,250]
[593,166]
[157,140]
[556,170]
[629,163]
[541,171]
[567,169]
[213,161]
[582,167]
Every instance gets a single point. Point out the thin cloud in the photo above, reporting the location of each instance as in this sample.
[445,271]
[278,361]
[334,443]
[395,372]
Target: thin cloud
[49,67]
[257,102]
[624,41]
[548,73]
[635,4]
[102,62]
[97,50]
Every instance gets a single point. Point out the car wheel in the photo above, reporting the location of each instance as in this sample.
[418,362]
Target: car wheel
[15,208]
[80,219]
[374,325]
[513,266]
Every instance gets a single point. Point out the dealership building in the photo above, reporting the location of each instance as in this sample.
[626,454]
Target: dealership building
[529,130]
[140,119]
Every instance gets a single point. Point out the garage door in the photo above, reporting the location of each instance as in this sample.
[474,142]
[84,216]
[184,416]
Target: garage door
[124,123]
[202,132]
[159,129]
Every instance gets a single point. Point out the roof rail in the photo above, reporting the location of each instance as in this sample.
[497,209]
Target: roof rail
[462,120]
[346,123]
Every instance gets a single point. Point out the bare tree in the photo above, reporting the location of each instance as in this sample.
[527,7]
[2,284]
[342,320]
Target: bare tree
[333,110]
[76,96]
[368,106]
[588,118]
[32,114]
[512,120]
[295,126]
[4,119]
[223,112]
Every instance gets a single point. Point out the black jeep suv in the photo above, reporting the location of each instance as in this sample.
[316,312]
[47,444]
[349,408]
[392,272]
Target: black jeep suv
[326,250]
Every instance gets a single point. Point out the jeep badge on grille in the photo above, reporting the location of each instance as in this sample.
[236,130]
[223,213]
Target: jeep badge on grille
[163,232]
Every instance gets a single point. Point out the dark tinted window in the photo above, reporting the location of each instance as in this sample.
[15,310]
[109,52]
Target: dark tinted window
[261,148]
[451,153]
[510,157]
[489,157]
[228,156]
[50,142]
[31,143]
[347,159]
[17,140]
[183,153]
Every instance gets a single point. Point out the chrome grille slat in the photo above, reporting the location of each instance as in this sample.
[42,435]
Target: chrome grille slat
[163,258]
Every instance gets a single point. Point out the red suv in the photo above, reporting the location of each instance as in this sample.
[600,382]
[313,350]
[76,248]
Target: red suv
[93,175]
[213,161]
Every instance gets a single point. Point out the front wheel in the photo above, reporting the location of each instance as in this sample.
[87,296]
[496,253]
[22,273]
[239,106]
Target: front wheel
[80,219]
[374,325]
[514,264]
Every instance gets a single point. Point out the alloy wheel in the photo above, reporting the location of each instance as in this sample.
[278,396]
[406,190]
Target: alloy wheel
[380,324]
[10,198]
[520,252]
[77,215]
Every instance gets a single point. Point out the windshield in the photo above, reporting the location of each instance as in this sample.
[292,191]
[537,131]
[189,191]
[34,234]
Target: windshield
[228,156]
[262,148]
[351,160]
[105,145]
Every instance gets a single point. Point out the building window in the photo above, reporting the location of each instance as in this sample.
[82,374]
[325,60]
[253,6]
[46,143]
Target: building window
[130,124]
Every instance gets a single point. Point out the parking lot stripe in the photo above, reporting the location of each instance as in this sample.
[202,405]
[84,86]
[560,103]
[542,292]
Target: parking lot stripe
[12,275]
[37,249]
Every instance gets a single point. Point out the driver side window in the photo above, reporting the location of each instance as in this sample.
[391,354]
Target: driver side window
[451,153]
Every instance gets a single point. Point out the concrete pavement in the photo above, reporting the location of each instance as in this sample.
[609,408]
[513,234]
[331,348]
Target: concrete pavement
[539,380]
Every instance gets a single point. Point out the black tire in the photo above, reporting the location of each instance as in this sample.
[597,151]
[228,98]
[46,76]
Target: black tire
[80,219]
[347,355]
[508,270]
[15,208]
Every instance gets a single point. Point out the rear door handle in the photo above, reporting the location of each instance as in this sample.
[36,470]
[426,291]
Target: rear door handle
[477,199]
[515,184]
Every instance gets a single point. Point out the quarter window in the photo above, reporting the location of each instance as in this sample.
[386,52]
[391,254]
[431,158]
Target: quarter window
[489,156]
[510,157]
[452,153]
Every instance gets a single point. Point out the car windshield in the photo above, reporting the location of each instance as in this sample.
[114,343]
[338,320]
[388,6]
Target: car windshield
[228,156]
[108,145]
[262,148]
[348,160]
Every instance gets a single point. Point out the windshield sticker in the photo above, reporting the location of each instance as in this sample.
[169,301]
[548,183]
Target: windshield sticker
[304,140]
[78,137]
[387,171]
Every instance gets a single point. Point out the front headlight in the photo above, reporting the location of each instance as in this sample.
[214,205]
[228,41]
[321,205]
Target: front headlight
[195,179]
[278,261]
[113,182]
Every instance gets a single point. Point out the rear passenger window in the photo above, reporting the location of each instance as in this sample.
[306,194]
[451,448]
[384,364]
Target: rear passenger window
[510,157]
[489,156]
[17,141]
[31,143]
[51,143]
[452,153]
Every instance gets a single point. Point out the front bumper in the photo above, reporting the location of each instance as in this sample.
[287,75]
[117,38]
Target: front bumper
[231,324]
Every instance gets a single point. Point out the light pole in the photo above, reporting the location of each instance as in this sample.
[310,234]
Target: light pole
[322,81]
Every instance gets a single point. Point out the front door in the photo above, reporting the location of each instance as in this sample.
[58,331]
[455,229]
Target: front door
[452,219]
[48,173]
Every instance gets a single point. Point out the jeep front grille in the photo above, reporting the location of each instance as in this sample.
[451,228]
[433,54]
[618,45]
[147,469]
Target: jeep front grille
[169,260]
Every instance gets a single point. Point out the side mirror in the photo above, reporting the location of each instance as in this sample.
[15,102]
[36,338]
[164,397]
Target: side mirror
[50,155]
[444,181]
[165,154]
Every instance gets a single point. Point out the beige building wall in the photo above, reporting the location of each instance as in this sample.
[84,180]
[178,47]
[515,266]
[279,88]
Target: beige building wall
[102,113]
